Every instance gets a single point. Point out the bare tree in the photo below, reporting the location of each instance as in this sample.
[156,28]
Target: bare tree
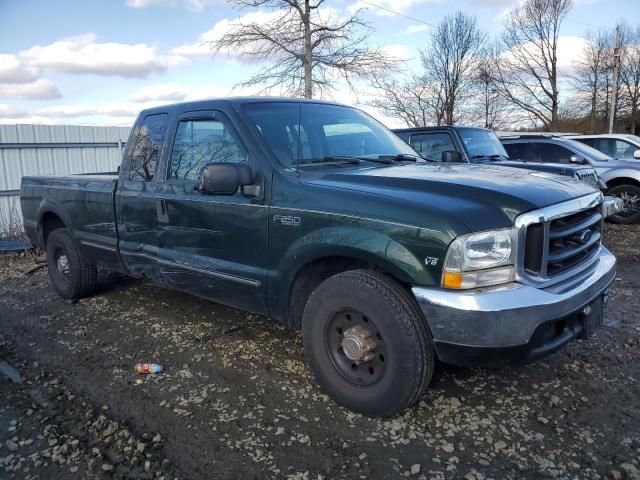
[436,94]
[306,46]
[591,75]
[527,69]
[451,59]
[411,99]
[630,77]
[490,106]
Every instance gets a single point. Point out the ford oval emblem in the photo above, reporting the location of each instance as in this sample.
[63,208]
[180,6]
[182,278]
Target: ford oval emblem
[585,236]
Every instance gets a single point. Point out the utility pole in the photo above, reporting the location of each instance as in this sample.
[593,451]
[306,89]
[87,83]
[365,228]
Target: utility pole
[616,72]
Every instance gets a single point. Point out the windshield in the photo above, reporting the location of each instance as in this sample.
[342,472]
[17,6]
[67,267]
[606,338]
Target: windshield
[306,132]
[588,152]
[480,142]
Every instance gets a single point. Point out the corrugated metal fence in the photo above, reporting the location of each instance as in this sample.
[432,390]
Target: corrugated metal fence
[51,150]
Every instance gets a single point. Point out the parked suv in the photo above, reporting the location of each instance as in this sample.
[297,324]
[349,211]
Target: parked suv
[481,145]
[318,216]
[617,146]
[622,176]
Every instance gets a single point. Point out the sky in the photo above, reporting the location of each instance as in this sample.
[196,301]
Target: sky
[99,62]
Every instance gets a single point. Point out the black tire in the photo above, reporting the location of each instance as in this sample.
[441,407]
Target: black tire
[402,377]
[630,194]
[71,278]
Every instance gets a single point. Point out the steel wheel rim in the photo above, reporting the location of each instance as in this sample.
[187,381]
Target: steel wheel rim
[631,204]
[363,372]
[62,265]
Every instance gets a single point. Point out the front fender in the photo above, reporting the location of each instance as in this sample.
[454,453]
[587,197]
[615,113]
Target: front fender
[362,244]
[615,173]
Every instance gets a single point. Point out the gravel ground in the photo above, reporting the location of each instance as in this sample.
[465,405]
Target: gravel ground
[236,400]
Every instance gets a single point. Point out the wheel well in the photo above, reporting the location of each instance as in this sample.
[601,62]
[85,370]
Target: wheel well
[313,274]
[616,182]
[50,222]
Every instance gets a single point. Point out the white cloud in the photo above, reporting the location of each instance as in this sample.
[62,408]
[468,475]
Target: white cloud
[417,28]
[113,109]
[192,4]
[167,91]
[40,89]
[202,46]
[399,6]
[148,3]
[398,51]
[569,50]
[12,70]
[492,3]
[10,111]
[82,54]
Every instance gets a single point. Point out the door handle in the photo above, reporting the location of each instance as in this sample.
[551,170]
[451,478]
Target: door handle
[162,213]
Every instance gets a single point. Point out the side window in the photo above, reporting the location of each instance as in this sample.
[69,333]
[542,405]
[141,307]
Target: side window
[550,153]
[431,145]
[144,152]
[517,151]
[198,143]
[623,150]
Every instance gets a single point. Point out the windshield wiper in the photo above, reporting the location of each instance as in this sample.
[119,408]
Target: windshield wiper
[494,157]
[333,160]
[400,157]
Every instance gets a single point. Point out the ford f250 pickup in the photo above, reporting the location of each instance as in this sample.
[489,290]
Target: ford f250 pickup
[315,214]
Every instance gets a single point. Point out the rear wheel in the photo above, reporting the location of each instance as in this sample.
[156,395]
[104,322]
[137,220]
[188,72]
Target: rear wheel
[630,195]
[367,343]
[71,276]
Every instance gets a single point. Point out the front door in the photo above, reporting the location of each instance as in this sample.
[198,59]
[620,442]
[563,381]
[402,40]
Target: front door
[211,245]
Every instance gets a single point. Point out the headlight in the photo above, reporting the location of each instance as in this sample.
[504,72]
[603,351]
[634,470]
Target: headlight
[480,259]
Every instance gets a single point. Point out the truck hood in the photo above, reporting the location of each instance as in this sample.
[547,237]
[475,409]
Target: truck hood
[480,196]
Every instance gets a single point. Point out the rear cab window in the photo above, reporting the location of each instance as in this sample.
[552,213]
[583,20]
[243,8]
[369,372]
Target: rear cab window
[432,145]
[145,149]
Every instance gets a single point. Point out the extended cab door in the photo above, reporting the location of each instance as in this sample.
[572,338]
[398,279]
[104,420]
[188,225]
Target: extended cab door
[214,246]
[135,196]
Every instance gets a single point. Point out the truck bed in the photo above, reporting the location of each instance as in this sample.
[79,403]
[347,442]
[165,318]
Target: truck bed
[85,203]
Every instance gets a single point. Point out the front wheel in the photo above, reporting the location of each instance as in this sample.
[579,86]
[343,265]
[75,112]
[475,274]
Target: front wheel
[71,276]
[630,195]
[367,343]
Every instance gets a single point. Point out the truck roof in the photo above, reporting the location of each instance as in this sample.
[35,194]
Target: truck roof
[442,127]
[233,101]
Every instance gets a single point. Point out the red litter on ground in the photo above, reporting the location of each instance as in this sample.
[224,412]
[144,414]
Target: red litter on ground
[148,368]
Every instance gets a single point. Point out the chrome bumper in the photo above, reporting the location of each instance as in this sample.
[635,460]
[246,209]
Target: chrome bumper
[611,206]
[508,315]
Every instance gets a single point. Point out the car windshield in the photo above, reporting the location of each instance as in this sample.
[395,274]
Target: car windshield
[317,133]
[480,142]
[588,152]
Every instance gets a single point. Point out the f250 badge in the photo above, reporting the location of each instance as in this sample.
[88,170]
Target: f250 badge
[287,220]
[431,261]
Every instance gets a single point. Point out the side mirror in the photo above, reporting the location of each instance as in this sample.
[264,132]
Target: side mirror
[451,156]
[223,178]
[578,159]
[636,154]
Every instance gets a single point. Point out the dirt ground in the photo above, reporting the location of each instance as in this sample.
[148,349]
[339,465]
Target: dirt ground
[237,401]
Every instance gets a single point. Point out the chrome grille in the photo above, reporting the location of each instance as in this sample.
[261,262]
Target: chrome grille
[559,242]
[588,176]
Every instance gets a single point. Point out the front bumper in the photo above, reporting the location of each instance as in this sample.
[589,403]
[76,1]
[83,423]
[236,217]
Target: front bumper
[469,325]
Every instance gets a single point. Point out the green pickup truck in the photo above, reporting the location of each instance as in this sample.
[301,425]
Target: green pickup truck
[318,216]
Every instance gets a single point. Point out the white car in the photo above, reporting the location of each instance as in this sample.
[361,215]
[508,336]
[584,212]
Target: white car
[616,145]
